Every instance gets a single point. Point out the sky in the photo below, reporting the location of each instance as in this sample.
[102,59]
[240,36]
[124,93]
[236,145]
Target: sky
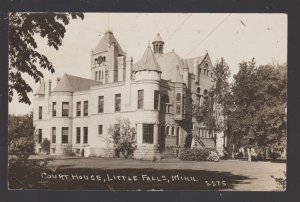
[235,37]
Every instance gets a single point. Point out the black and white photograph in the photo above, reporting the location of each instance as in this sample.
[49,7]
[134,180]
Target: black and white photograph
[147,101]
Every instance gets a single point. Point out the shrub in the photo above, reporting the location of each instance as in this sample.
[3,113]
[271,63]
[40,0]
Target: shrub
[46,145]
[188,154]
[274,155]
[122,135]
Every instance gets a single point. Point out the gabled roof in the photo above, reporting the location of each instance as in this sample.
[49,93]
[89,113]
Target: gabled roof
[41,89]
[69,83]
[148,62]
[190,62]
[107,40]
[168,63]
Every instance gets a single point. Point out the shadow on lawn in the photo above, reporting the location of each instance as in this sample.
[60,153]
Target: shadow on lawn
[132,179]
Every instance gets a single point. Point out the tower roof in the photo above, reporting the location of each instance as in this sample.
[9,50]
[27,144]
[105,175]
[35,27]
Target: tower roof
[69,83]
[41,89]
[107,40]
[148,62]
[158,38]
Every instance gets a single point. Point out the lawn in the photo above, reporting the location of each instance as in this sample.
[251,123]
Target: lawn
[166,174]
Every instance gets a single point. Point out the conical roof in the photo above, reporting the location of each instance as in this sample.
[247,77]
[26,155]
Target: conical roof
[148,62]
[41,89]
[69,83]
[107,40]
[158,38]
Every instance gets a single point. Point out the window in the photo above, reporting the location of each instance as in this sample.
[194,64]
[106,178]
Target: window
[178,103]
[40,112]
[118,102]
[53,108]
[78,109]
[100,104]
[77,135]
[156,99]
[53,135]
[65,109]
[167,130]
[177,136]
[164,102]
[64,135]
[140,99]
[100,129]
[148,133]
[85,108]
[96,76]
[173,131]
[85,135]
[40,136]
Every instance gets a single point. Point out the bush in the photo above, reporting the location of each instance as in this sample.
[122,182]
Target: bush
[122,135]
[195,154]
[274,155]
[46,146]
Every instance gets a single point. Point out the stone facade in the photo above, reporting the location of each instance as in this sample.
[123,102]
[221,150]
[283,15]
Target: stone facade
[76,113]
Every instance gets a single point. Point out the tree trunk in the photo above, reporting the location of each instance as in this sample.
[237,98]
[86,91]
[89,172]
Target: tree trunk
[249,154]
[232,154]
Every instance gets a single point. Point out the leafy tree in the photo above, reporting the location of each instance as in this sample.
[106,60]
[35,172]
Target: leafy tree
[23,55]
[258,118]
[216,105]
[122,135]
[21,135]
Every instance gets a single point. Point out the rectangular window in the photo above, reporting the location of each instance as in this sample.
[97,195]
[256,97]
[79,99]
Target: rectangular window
[40,136]
[118,102]
[148,133]
[100,129]
[85,108]
[156,98]
[77,135]
[64,135]
[53,135]
[78,109]
[65,109]
[100,104]
[53,108]
[140,99]
[85,135]
[40,112]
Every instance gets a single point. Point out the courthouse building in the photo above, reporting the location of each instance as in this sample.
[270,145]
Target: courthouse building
[154,92]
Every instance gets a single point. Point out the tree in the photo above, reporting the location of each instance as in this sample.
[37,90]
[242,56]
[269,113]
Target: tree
[216,105]
[21,135]
[123,136]
[23,55]
[258,118]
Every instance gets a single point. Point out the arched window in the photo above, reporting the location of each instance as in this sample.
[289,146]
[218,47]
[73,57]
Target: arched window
[173,131]
[96,75]
[178,103]
[99,75]
[163,103]
[167,130]
[206,65]
[205,92]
